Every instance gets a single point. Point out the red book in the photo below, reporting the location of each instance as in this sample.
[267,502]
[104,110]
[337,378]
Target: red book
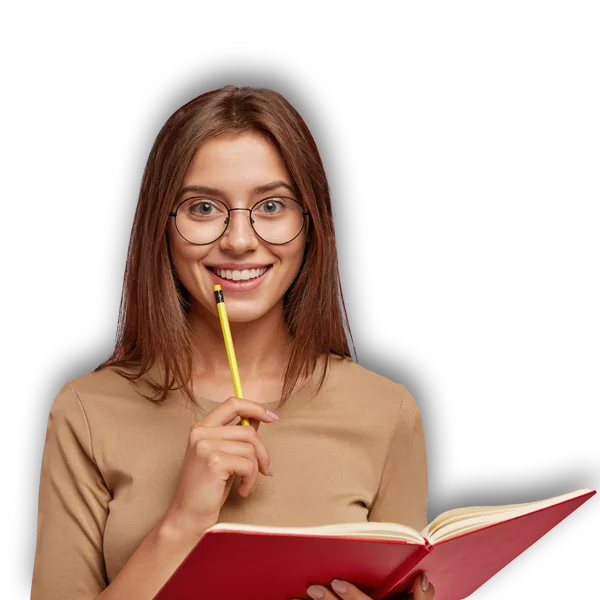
[459,551]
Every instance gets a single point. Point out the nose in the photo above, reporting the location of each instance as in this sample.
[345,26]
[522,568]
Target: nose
[239,235]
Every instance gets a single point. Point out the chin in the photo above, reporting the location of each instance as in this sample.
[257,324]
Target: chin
[244,315]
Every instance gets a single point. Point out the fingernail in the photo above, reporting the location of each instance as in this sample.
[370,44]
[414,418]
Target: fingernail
[424,583]
[270,470]
[339,586]
[315,592]
[272,415]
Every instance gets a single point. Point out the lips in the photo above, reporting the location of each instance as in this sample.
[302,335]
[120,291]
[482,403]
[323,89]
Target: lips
[239,274]
[241,285]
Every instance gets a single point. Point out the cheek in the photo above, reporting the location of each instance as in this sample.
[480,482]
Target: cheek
[185,256]
[176,253]
[294,258]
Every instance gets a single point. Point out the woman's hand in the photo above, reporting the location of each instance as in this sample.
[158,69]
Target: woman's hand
[215,452]
[420,589]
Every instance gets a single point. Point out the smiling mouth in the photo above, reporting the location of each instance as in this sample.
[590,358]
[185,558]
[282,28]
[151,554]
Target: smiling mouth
[240,276]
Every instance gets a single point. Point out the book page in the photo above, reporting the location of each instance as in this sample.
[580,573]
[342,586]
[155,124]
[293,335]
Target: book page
[371,529]
[462,520]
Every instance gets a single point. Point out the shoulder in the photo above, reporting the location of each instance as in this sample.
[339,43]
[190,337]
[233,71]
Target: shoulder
[357,374]
[111,408]
[97,385]
[105,381]
[373,391]
[70,413]
[107,394]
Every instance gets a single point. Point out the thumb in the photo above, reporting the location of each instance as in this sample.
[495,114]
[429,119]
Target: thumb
[421,588]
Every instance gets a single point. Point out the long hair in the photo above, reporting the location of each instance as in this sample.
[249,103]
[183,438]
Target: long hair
[153,314]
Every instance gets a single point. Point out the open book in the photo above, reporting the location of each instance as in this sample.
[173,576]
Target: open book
[459,551]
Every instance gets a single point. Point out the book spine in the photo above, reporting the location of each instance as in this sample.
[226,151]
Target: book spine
[403,569]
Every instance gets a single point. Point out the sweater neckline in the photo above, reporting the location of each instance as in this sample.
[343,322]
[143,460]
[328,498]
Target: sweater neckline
[296,401]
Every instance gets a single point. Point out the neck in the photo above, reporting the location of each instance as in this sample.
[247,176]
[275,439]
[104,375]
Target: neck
[262,345]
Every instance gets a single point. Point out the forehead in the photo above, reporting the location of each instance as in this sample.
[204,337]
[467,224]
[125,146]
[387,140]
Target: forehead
[236,159]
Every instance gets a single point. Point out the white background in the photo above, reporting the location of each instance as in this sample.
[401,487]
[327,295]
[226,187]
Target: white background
[462,144]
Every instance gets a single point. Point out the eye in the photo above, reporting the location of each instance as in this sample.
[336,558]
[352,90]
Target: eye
[201,207]
[272,206]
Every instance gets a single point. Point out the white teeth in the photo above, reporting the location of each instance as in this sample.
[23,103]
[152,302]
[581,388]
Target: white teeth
[240,275]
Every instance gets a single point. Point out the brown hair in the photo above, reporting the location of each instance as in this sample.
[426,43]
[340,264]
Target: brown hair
[153,312]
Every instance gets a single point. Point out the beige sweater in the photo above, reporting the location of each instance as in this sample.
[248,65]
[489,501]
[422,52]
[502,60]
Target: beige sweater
[111,463]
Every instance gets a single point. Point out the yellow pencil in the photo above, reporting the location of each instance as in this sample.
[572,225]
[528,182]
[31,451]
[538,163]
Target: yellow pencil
[235,374]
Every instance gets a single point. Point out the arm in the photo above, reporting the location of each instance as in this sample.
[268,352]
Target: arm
[402,494]
[215,453]
[72,512]
[153,562]
[72,508]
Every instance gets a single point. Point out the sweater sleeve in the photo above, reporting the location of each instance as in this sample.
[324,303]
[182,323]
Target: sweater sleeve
[72,508]
[402,494]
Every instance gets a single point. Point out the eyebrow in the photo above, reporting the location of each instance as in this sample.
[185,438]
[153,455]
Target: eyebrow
[261,189]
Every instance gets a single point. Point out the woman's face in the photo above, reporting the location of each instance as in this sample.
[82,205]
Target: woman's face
[234,165]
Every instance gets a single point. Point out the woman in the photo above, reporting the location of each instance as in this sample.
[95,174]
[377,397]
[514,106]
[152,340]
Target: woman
[141,454]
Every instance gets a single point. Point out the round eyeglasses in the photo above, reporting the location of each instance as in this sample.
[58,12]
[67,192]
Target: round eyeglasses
[275,220]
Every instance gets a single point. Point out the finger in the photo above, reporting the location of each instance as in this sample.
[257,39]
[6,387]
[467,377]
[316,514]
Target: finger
[348,591]
[339,589]
[225,465]
[253,423]
[208,448]
[235,433]
[234,407]
[422,588]
[320,592]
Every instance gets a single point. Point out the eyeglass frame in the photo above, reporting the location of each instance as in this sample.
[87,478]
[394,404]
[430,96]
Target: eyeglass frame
[227,221]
